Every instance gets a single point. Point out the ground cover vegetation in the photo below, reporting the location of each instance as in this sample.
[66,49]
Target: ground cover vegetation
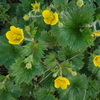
[49,49]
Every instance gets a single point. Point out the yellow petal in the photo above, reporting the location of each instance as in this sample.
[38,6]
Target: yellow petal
[57,85]
[97,33]
[67,82]
[22,34]
[47,21]
[46,13]
[55,20]
[9,35]
[63,86]
[55,15]
[96,60]
[14,42]
[13,28]
[32,5]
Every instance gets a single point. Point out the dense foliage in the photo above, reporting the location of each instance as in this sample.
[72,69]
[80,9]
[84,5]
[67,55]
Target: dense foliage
[49,49]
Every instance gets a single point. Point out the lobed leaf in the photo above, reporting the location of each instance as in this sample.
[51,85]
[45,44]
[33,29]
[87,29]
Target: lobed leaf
[8,52]
[75,32]
[76,90]
[21,73]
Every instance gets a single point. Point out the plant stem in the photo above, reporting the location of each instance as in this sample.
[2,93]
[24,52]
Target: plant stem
[60,67]
[74,56]
[36,16]
[6,19]
[45,77]
[30,40]
[50,44]
[84,95]
[6,78]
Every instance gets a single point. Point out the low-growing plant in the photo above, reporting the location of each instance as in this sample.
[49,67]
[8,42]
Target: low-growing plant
[49,50]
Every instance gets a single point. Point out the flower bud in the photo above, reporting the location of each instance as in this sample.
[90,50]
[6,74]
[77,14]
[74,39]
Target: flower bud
[29,65]
[26,17]
[60,24]
[74,73]
[80,3]
[55,74]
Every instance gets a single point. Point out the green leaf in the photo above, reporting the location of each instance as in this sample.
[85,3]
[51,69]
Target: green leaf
[21,73]
[77,62]
[35,49]
[67,67]
[3,10]
[38,53]
[65,53]
[8,52]
[75,58]
[48,38]
[26,91]
[44,94]
[50,61]
[76,89]
[75,32]
[48,80]
[10,92]
[93,89]
[2,78]
[59,2]
[5,95]
[27,5]
[27,49]
[98,2]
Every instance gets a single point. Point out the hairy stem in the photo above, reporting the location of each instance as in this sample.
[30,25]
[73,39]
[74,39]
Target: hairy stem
[84,95]
[6,19]
[74,56]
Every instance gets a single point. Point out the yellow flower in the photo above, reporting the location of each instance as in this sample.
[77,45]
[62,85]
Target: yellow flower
[36,7]
[61,82]
[15,35]
[93,35]
[26,17]
[96,60]
[50,17]
[96,34]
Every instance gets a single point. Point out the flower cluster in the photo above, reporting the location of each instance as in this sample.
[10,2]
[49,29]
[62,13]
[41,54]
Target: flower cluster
[15,35]
[61,82]
[50,17]
[96,60]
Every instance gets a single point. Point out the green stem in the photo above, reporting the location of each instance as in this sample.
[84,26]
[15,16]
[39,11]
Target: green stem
[60,67]
[74,56]
[84,95]
[50,44]
[6,19]
[44,78]
[36,16]
[30,40]
[6,78]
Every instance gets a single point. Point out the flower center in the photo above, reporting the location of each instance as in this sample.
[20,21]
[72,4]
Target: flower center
[51,18]
[16,37]
[36,7]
